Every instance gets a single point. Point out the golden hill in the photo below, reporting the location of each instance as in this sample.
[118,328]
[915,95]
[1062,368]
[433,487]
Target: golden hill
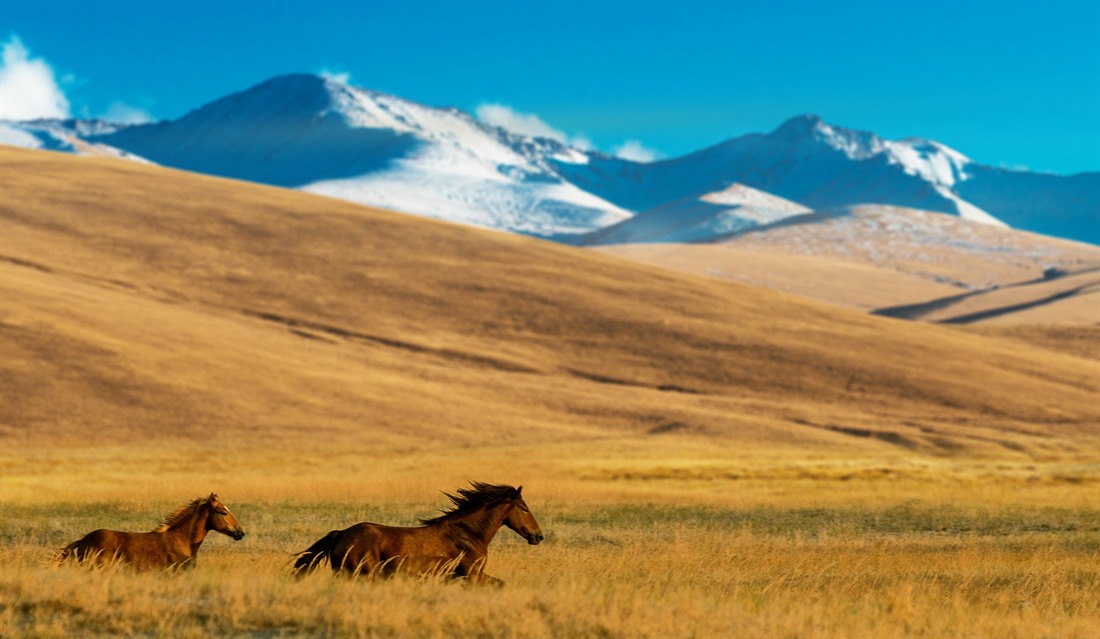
[150,308]
[874,257]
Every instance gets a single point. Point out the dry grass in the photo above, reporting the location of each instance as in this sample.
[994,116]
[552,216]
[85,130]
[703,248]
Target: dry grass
[611,566]
[827,278]
[708,459]
[1079,341]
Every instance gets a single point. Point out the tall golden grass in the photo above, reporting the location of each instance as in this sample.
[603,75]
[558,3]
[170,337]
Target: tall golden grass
[818,562]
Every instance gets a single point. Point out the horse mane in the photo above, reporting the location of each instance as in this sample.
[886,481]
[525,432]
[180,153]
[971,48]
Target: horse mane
[470,499]
[179,515]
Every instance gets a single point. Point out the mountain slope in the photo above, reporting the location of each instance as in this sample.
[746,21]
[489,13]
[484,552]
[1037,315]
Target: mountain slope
[1061,206]
[1058,298]
[323,136]
[698,219]
[822,166]
[149,305]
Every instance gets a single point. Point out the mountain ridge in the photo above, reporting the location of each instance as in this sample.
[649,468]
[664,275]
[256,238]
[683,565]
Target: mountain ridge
[325,136]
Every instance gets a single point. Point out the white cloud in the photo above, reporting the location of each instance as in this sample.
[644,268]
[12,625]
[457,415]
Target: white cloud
[634,151]
[527,124]
[28,88]
[581,142]
[523,123]
[343,77]
[121,113]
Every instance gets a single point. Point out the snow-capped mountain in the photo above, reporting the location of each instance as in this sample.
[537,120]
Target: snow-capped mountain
[804,160]
[324,136]
[821,166]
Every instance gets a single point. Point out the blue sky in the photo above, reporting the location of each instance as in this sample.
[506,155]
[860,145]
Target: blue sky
[1013,84]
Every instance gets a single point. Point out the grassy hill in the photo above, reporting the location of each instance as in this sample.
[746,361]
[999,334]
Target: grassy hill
[876,257]
[706,458]
[154,308]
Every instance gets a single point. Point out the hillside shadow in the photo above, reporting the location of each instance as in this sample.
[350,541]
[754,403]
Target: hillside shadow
[288,154]
[923,309]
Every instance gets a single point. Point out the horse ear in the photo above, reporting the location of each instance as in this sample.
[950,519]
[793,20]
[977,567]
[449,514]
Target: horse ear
[213,497]
[519,491]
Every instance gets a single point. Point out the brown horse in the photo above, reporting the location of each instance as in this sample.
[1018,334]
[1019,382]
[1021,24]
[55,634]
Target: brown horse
[174,543]
[455,543]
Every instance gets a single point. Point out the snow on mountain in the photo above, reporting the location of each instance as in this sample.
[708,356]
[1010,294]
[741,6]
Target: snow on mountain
[13,135]
[69,136]
[699,219]
[804,160]
[324,136]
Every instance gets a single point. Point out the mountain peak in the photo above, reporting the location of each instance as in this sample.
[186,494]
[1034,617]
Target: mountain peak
[803,123]
[297,83]
[799,127]
[811,130]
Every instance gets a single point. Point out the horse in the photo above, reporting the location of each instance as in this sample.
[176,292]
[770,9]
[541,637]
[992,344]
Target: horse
[173,544]
[454,544]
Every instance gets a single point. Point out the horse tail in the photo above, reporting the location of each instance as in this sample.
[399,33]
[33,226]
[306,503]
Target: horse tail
[308,559]
[61,555]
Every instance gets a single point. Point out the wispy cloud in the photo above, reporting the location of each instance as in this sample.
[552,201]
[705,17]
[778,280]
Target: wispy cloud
[634,151]
[581,142]
[527,124]
[125,114]
[530,124]
[28,87]
[523,123]
[342,77]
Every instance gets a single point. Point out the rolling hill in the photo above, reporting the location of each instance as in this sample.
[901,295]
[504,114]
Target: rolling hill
[876,257]
[147,310]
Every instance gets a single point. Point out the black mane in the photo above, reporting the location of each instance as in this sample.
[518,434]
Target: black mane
[470,499]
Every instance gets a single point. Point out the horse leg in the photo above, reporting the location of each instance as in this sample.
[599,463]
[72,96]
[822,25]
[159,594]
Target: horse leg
[356,561]
[489,580]
[474,572]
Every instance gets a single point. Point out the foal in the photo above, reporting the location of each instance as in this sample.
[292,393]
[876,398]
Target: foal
[174,543]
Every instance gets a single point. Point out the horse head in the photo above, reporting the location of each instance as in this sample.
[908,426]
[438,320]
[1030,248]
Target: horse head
[222,520]
[520,519]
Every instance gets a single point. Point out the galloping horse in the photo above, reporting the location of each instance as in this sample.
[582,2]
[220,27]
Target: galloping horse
[174,543]
[454,543]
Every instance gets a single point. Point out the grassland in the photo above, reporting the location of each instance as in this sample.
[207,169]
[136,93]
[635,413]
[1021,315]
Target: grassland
[644,558]
[707,459]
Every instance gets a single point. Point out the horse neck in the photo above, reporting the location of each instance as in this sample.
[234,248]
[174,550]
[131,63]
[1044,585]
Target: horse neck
[484,522]
[194,527]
